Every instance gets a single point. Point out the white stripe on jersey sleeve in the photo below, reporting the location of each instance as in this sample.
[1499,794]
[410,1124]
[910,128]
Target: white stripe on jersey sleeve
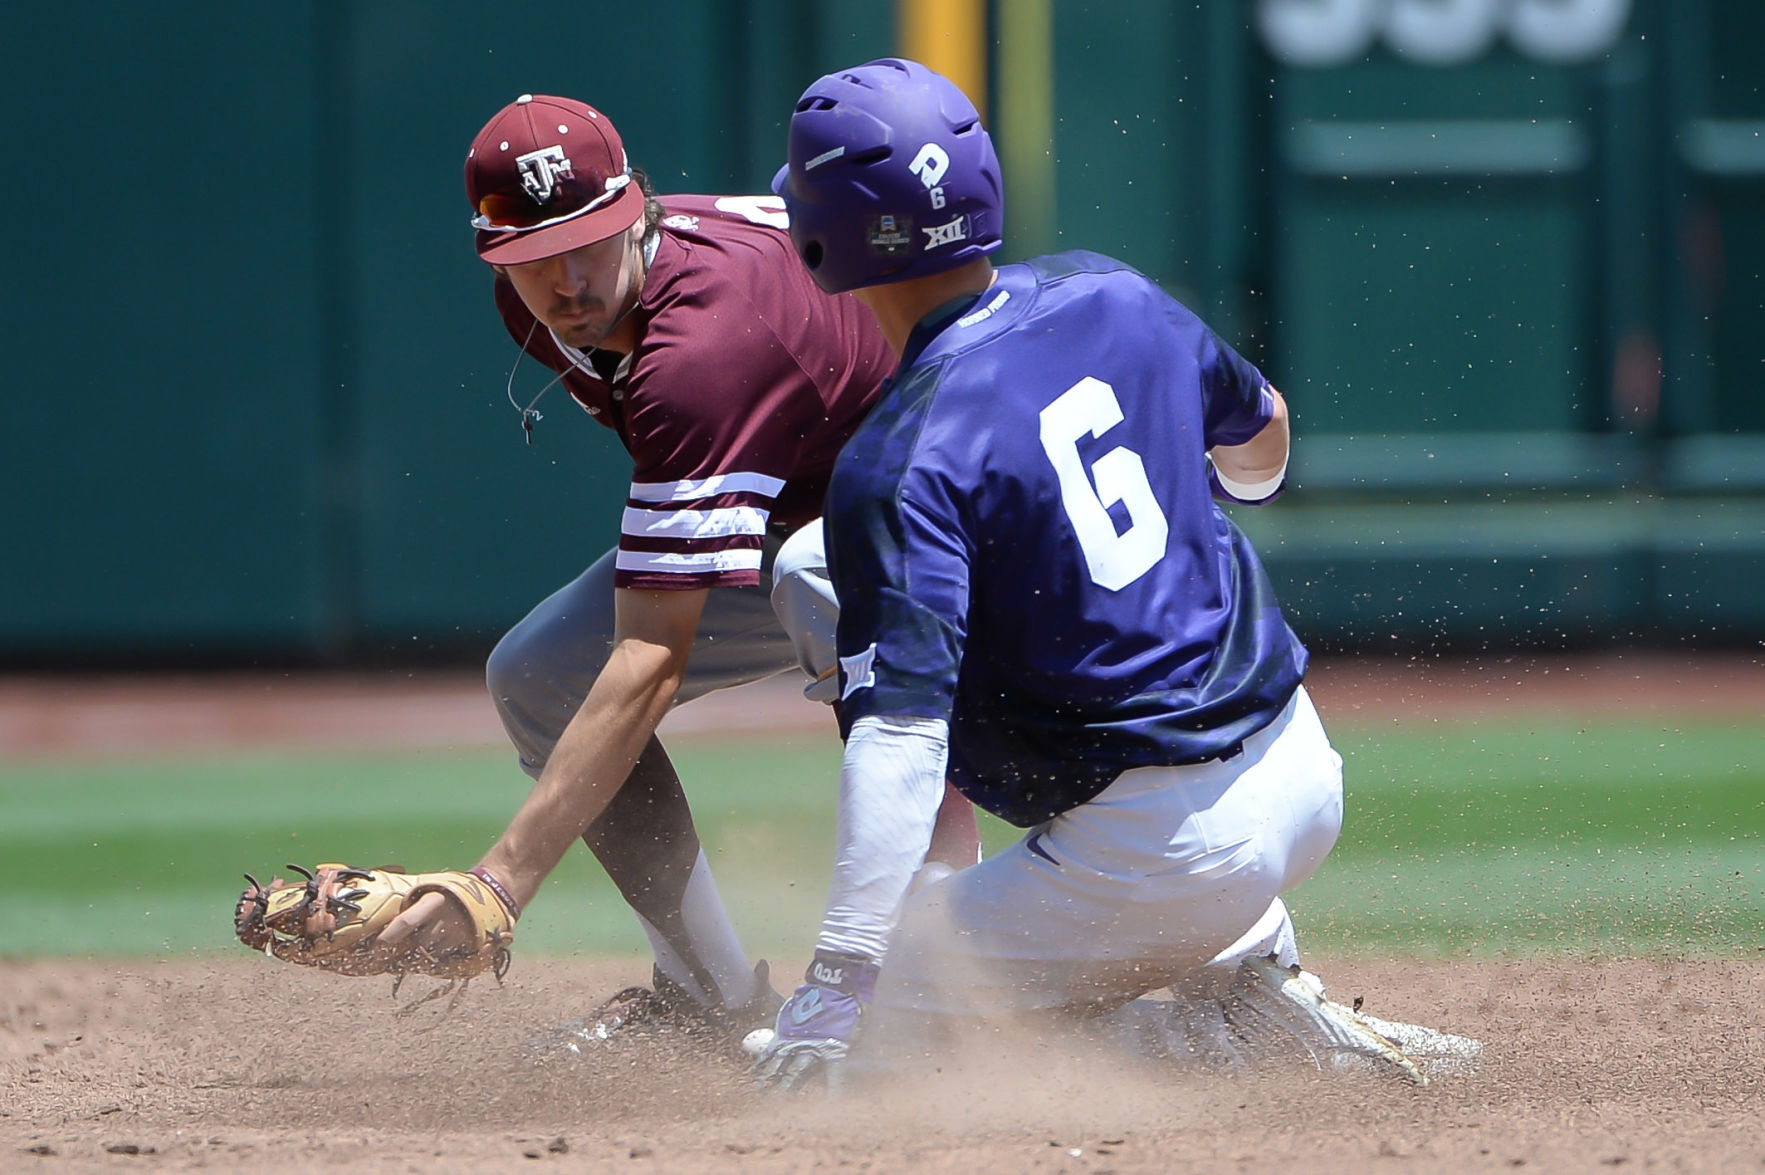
[680,563]
[689,525]
[706,487]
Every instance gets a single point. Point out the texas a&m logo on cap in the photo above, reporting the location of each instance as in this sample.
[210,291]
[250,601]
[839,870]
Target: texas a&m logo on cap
[541,170]
[547,175]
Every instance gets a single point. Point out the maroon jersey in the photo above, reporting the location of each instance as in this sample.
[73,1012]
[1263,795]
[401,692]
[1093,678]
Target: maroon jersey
[745,382]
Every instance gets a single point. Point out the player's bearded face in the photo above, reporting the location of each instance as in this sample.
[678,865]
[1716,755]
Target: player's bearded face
[583,294]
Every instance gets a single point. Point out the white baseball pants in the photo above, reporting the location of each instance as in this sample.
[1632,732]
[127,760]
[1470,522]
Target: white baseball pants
[1170,876]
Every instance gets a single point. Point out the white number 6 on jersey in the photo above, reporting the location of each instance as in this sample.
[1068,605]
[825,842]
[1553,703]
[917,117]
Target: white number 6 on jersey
[1115,560]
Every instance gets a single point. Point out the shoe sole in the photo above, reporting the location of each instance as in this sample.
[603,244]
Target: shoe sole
[1344,1037]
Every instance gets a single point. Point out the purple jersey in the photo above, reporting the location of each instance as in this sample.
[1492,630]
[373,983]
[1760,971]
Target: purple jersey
[1023,541]
[745,382]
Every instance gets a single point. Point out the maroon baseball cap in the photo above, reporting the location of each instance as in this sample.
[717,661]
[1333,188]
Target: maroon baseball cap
[545,176]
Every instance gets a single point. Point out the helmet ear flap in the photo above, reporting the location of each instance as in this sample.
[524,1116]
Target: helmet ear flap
[891,176]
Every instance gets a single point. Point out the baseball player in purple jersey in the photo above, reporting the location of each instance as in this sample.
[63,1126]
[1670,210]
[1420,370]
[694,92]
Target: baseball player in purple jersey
[1041,601]
[686,325]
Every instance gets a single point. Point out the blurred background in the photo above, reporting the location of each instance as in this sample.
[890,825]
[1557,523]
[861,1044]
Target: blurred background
[1502,256]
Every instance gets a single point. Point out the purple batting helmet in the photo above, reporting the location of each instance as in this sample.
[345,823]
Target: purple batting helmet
[891,176]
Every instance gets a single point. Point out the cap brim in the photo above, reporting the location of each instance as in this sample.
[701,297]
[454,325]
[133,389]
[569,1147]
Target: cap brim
[519,248]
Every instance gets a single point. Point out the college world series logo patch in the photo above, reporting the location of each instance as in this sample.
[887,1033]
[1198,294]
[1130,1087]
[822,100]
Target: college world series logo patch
[891,235]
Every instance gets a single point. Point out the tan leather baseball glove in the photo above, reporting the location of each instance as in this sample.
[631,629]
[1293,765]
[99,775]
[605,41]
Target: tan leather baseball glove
[333,921]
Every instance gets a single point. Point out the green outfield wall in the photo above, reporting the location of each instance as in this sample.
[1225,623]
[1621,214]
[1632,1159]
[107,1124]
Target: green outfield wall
[1507,268]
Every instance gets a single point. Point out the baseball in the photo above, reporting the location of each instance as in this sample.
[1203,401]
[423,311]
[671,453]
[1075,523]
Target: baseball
[755,1042]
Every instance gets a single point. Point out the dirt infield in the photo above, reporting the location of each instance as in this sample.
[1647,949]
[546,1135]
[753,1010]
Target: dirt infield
[248,1066]
[242,1064]
[50,716]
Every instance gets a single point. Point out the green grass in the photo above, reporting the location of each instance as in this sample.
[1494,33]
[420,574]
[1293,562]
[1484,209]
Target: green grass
[1542,834]
[1523,835]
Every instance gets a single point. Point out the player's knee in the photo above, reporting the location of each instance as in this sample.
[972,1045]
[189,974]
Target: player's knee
[802,593]
[504,673]
[520,694]
[523,688]
[801,566]
[804,602]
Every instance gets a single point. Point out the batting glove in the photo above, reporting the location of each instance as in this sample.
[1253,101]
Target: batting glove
[817,1024]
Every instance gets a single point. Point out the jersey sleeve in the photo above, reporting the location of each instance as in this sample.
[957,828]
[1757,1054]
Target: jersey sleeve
[1235,397]
[900,553]
[716,411]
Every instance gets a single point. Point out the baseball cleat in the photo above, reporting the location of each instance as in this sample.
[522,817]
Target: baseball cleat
[1436,1053]
[1272,1008]
[666,1007]
[1196,1032]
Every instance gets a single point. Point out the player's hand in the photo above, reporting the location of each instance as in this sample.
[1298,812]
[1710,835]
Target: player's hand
[433,923]
[816,1025]
[797,1064]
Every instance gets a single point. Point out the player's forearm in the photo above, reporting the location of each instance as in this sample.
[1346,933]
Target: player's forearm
[956,839]
[1254,470]
[593,757]
[891,785]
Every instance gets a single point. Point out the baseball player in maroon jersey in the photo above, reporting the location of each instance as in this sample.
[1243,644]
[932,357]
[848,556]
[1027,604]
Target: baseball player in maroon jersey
[686,325]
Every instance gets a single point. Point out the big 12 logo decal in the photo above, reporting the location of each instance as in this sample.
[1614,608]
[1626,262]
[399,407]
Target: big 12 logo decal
[1320,33]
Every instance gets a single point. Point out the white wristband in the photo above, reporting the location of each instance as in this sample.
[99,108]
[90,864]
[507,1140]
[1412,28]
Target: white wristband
[1251,491]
